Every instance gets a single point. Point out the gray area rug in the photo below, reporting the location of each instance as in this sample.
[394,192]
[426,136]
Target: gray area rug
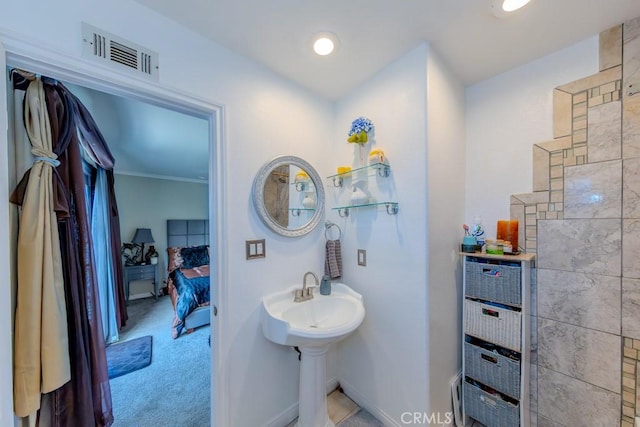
[361,418]
[174,390]
[128,356]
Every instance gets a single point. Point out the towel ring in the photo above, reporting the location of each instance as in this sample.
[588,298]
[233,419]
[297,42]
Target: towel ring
[328,225]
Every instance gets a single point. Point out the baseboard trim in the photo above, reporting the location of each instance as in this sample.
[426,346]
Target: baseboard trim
[382,416]
[290,414]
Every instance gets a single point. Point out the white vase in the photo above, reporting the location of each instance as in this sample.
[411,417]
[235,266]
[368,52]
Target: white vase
[358,194]
[309,202]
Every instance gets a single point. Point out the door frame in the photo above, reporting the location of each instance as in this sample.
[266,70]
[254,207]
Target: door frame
[28,55]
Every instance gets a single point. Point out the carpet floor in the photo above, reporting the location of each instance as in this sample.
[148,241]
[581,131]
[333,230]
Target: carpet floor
[174,390]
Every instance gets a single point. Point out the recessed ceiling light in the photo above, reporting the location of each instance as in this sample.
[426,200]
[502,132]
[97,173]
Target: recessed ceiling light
[501,8]
[511,5]
[324,43]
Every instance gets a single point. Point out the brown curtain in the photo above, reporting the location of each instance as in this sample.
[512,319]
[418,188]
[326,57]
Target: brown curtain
[86,399]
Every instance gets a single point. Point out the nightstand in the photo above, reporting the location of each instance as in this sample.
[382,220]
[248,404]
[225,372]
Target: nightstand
[141,272]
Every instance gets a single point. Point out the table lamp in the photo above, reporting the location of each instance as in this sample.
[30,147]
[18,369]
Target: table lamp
[142,236]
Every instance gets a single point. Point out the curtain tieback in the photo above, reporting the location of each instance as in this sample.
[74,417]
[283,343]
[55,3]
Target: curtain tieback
[53,162]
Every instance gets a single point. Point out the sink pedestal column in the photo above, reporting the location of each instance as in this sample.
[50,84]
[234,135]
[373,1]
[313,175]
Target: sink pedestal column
[313,388]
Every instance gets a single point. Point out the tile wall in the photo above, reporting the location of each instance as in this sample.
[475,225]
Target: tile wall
[583,221]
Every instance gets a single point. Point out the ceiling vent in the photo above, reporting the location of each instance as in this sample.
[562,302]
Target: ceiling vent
[118,53]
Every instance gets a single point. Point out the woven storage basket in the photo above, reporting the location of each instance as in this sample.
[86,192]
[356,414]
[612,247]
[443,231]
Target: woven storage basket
[492,369]
[493,282]
[497,325]
[489,409]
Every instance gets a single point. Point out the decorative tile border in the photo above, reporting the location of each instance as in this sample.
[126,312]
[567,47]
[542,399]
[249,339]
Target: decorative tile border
[630,385]
[571,103]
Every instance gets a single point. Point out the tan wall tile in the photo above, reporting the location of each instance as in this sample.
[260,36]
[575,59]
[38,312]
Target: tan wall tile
[606,76]
[556,171]
[579,124]
[541,215]
[557,196]
[580,97]
[580,109]
[541,160]
[631,103]
[562,105]
[611,47]
[530,209]
[557,184]
[531,198]
[608,88]
[556,144]
[606,98]
[557,158]
[595,101]
[580,136]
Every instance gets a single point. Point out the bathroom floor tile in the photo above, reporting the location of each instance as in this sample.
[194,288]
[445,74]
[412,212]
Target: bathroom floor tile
[340,406]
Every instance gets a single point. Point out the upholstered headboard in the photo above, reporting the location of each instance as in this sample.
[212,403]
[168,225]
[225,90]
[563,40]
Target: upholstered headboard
[187,232]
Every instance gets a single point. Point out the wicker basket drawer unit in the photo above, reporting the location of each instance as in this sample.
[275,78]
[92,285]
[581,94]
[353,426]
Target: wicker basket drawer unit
[490,409]
[493,282]
[493,369]
[498,325]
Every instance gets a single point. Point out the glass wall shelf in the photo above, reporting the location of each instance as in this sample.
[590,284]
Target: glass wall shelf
[382,169]
[392,208]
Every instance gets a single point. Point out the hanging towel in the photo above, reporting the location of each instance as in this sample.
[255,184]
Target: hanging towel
[333,259]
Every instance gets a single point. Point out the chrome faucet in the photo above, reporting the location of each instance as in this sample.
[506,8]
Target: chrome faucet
[306,293]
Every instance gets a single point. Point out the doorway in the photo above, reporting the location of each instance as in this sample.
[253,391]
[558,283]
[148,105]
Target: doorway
[86,75]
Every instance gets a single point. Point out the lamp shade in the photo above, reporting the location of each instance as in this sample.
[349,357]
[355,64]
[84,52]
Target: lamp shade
[143,235]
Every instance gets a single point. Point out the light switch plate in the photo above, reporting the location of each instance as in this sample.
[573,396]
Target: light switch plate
[362,257]
[255,249]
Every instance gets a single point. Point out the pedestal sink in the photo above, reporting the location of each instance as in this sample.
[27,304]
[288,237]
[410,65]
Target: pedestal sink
[312,326]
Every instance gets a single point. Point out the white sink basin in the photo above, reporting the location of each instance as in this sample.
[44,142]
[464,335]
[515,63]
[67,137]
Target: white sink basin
[312,323]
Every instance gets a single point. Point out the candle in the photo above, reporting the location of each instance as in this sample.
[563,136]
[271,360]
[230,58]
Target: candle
[508,230]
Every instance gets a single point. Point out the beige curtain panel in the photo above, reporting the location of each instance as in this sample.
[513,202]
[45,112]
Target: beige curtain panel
[41,362]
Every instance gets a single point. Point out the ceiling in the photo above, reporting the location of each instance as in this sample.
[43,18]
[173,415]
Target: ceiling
[148,140]
[373,33]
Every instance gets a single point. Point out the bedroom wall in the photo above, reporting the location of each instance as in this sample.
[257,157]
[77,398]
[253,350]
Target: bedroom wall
[149,202]
[265,116]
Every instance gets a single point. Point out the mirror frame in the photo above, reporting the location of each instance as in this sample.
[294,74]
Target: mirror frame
[258,196]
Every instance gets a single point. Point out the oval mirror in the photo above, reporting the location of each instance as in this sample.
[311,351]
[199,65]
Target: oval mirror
[288,196]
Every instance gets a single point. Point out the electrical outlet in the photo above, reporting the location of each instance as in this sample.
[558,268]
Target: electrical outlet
[362,257]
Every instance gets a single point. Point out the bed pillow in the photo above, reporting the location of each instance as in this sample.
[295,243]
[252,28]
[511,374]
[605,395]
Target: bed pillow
[175,259]
[195,256]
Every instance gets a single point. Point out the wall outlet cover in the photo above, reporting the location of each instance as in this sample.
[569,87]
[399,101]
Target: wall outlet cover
[362,257]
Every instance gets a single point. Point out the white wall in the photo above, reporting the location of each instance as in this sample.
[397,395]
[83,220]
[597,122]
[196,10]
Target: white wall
[265,116]
[150,202]
[383,365]
[506,115]
[445,195]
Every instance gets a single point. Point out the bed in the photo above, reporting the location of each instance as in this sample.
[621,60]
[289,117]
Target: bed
[188,280]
